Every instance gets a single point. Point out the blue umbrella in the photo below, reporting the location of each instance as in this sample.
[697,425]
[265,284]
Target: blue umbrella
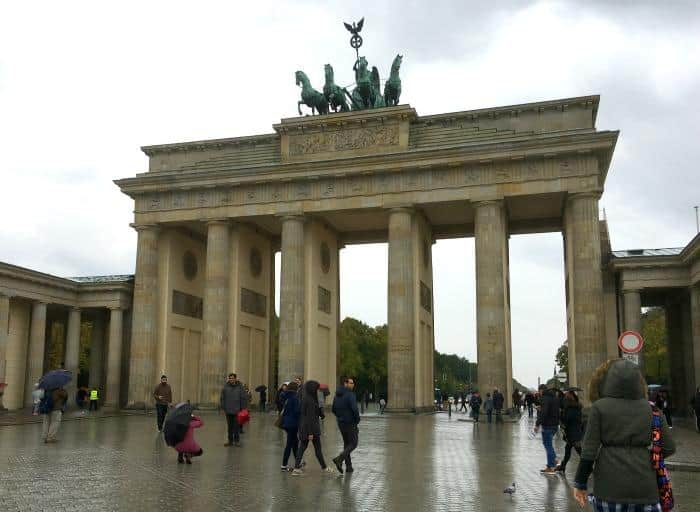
[55,379]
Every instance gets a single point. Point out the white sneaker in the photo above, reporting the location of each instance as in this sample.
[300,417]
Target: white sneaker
[297,472]
[330,470]
[284,468]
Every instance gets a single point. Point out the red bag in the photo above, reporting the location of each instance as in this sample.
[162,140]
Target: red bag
[243,416]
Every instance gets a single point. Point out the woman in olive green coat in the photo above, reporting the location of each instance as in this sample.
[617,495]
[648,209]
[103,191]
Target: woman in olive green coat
[616,446]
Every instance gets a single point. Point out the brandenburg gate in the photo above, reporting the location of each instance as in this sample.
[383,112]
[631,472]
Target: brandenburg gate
[211,214]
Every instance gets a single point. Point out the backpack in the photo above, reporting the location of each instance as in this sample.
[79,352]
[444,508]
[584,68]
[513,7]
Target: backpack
[46,403]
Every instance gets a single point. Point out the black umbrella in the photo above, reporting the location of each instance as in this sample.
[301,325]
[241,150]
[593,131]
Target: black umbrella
[176,423]
[575,389]
[55,379]
[260,388]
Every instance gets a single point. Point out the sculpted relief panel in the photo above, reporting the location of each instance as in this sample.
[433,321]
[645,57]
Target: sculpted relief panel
[582,168]
[347,140]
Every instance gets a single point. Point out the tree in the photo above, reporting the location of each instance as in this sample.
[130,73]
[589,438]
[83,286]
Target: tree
[656,366]
[562,358]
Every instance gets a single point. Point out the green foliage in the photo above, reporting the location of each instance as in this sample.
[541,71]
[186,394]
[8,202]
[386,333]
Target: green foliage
[363,355]
[454,374]
[562,358]
[656,365]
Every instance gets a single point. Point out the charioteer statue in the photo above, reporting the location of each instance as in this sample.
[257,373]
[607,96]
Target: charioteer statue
[367,93]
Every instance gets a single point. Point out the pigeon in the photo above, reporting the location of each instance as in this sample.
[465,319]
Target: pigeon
[510,490]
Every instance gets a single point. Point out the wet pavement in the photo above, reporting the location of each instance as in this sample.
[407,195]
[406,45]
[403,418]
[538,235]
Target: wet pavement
[403,463]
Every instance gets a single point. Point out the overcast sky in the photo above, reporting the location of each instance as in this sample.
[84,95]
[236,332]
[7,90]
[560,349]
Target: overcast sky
[84,85]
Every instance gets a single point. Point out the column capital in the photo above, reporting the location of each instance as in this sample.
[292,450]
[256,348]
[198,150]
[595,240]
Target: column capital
[40,303]
[488,202]
[145,227]
[116,308]
[225,221]
[593,194]
[401,208]
[295,216]
[631,290]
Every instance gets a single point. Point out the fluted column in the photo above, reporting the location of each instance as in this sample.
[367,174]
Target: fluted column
[587,351]
[676,352]
[400,312]
[492,308]
[97,351]
[72,351]
[144,319]
[4,335]
[292,310]
[695,327]
[216,291]
[35,352]
[114,357]
[633,317]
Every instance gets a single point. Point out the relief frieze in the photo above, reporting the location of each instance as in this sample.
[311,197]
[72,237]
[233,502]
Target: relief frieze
[346,140]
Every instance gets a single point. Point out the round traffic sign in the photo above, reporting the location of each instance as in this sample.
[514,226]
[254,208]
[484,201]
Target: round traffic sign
[630,342]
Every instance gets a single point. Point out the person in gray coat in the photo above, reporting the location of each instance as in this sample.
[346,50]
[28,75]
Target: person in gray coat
[232,400]
[615,447]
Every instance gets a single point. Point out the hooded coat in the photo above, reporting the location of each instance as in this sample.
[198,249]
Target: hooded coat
[616,446]
[309,423]
[345,407]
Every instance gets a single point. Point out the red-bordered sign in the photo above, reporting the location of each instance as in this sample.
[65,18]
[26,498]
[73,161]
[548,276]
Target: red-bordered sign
[630,342]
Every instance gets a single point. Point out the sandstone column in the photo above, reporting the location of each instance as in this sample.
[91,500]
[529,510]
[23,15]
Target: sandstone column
[585,302]
[114,358]
[72,361]
[216,290]
[4,335]
[676,353]
[292,307]
[35,352]
[97,349]
[144,319]
[492,308]
[695,329]
[633,317]
[400,312]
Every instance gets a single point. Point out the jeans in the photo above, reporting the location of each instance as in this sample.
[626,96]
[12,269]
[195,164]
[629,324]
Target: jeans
[161,411]
[262,406]
[303,444]
[50,425]
[529,410]
[291,446]
[233,428]
[475,412]
[93,405]
[547,436]
[489,415]
[499,417]
[350,435]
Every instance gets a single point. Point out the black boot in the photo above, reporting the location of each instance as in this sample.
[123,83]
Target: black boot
[338,464]
[180,458]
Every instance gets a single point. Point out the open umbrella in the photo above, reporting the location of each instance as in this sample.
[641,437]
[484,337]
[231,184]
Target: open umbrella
[575,389]
[260,388]
[55,379]
[176,423]
[324,389]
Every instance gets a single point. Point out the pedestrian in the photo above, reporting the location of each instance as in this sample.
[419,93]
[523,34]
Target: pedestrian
[310,427]
[363,398]
[695,402]
[164,398]
[263,397]
[291,410]
[663,402]
[348,417]
[81,397]
[382,405]
[548,419]
[37,395]
[572,423]
[367,398]
[516,400]
[530,403]
[233,399]
[188,447]
[615,447]
[51,406]
[94,398]
[249,399]
[475,404]
[279,399]
[463,407]
[498,402]
[488,407]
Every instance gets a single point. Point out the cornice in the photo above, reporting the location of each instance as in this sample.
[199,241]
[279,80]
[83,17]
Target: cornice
[201,145]
[544,145]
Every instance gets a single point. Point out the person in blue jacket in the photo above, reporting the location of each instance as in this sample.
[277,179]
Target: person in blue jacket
[291,410]
[348,417]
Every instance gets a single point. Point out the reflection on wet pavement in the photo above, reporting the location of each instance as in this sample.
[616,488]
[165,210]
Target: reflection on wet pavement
[403,463]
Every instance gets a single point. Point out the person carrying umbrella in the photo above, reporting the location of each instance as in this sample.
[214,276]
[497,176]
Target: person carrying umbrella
[53,402]
[178,431]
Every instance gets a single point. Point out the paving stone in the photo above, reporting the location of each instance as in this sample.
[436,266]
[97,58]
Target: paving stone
[403,463]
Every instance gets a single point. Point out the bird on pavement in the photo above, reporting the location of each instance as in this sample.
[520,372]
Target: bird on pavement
[510,490]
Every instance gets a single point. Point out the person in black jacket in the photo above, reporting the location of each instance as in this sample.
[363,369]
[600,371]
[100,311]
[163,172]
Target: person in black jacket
[498,403]
[695,403]
[572,423]
[310,426]
[348,417]
[548,419]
